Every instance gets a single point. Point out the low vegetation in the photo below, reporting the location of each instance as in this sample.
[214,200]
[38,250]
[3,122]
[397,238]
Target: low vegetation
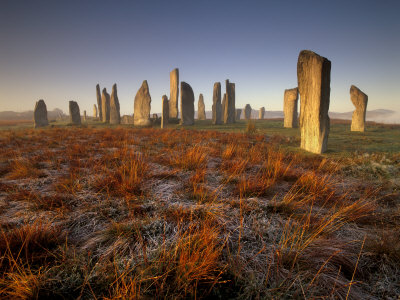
[125,213]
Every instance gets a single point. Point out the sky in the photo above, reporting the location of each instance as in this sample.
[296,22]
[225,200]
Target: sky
[59,50]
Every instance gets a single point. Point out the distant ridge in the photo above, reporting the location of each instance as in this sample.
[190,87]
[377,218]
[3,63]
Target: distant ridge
[377,115]
[28,115]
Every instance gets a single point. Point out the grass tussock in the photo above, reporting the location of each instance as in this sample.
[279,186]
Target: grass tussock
[127,213]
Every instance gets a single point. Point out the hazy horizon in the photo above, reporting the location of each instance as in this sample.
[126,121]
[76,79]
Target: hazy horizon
[59,51]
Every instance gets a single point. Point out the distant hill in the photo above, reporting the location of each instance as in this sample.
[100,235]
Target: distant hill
[377,115]
[28,115]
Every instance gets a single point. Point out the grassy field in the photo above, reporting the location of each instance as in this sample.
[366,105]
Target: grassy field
[217,212]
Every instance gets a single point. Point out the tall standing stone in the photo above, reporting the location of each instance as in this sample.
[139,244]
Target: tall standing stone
[238,114]
[223,105]
[187,104]
[201,109]
[115,117]
[165,111]
[230,110]
[360,101]
[314,77]
[247,112]
[216,107]
[290,100]
[105,106]
[74,113]
[99,102]
[261,113]
[174,93]
[142,106]
[40,114]
[94,111]
[84,116]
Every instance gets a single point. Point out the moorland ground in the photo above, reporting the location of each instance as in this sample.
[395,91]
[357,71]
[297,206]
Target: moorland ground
[229,211]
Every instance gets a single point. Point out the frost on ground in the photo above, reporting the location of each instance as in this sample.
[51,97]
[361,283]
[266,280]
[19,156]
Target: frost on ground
[145,213]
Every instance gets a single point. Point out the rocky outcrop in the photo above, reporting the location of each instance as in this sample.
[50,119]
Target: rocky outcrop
[314,77]
[74,113]
[290,100]
[115,117]
[261,113]
[247,112]
[216,107]
[238,114]
[174,93]
[201,108]
[105,106]
[165,111]
[230,110]
[40,114]
[187,104]
[223,105]
[360,101]
[142,106]
[99,103]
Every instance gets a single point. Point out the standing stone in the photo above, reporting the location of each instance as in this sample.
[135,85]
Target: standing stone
[174,93]
[187,104]
[115,117]
[165,111]
[40,114]
[314,76]
[74,113]
[99,102]
[290,100]
[247,112]
[105,106]
[94,111]
[142,106]
[125,119]
[223,105]
[261,113]
[216,107]
[238,114]
[230,111]
[360,101]
[84,115]
[201,109]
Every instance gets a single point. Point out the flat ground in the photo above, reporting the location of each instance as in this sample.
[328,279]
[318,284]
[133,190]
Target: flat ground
[233,212]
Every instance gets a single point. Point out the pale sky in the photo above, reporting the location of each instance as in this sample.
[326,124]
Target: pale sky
[59,50]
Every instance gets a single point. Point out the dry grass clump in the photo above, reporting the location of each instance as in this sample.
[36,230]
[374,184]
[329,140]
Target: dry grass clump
[129,213]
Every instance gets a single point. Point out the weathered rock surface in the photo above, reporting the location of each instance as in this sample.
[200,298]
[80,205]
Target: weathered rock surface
[40,114]
[174,93]
[84,116]
[142,106]
[314,76]
[216,107]
[291,97]
[201,109]
[238,114]
[165,111]
[115,117]
[261,113]
[230,110]
[223,105]
[247,112]
[105,106]
[99,103]
[95,111]
[360,101]
[187,104]
[74,113]
[125,119]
